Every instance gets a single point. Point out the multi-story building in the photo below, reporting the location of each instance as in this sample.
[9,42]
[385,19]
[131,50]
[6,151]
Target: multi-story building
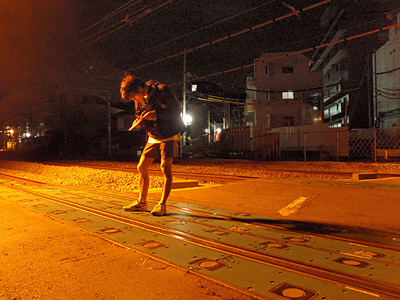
[283,92]
[386,76]
[347,66]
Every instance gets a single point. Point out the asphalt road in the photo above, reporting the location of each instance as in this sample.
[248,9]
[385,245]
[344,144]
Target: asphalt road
[43,258]
[370,204]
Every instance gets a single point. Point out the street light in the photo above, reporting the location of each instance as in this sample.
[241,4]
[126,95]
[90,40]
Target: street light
[187,119]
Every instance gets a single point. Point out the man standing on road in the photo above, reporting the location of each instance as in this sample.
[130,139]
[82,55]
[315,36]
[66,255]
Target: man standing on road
[158,112]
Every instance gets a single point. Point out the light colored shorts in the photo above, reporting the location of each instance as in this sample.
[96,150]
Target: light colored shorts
[160,150]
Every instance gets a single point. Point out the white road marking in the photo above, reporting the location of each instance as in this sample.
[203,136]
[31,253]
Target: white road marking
[292,207]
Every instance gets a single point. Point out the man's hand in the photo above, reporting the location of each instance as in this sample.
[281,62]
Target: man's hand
[135,123]
[146,115]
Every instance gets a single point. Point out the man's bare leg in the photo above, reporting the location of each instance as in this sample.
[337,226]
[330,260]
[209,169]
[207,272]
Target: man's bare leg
[144,178]
[144,182]
[166,168]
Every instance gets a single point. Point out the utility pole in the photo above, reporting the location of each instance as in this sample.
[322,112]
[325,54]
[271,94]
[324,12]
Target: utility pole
[109,118]
[184,95]
[183,139]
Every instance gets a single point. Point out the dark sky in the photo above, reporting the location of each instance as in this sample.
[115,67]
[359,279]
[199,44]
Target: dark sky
[31,38]
[45,44]
[138,43]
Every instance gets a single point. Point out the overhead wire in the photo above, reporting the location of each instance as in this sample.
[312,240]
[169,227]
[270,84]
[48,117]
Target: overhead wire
[391,42]
[203,28]
[123,23]
[387,72]
[128,20]
[344,39]
[229,36]
[118,10]
[271,49]
[216,100]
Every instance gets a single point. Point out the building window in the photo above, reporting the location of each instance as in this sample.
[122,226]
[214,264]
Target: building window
[266,70]
[267,121]
[287,70]
[266,93]
[288,95]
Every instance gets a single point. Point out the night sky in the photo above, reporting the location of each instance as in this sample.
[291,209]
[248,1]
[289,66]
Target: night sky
[45,45]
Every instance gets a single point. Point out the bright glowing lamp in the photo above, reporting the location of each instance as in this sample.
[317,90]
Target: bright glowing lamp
[187,119]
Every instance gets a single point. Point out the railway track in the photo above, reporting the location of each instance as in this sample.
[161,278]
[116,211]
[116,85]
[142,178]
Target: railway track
[265,261]
[203,178]
[220,178]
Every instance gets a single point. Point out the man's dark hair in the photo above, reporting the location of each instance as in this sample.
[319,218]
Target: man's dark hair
[131,83]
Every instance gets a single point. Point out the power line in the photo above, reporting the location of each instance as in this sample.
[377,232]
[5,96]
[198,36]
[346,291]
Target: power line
[202,28]
[128,20]
[122,23]
[344,39]
[387,72]
[271,49]
[118,10]
[229,36]
[217,100]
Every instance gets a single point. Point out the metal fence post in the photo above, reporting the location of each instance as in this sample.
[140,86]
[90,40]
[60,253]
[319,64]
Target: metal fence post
[337,146]
[374,145]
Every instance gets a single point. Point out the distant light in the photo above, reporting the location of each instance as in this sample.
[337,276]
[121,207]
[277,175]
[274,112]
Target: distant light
[219,130]
[317,120]
[187,119]
[28,134]
[194,87]
[315,108]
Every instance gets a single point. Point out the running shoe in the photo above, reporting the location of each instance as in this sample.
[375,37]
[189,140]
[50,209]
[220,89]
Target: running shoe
[159,210]
[136,206]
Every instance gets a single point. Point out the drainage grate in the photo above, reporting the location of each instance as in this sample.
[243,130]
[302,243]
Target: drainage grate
[351,262]
[208,264]
[274,245]
[110,230]
[151,244]
[290,291]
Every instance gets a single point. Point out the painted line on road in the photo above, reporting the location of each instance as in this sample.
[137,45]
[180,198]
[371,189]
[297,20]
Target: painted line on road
[292,207]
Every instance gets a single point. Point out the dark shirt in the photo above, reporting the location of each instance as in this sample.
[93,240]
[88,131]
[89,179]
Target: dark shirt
[163,101]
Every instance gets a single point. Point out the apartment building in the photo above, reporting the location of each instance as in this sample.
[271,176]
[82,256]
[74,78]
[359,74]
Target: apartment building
[386,77]
[347,66]
[283,92]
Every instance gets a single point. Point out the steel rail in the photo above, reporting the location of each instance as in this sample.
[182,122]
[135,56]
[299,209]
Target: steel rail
[218,178]
[227,178]
[239,220]
[367,285]
[220,216]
